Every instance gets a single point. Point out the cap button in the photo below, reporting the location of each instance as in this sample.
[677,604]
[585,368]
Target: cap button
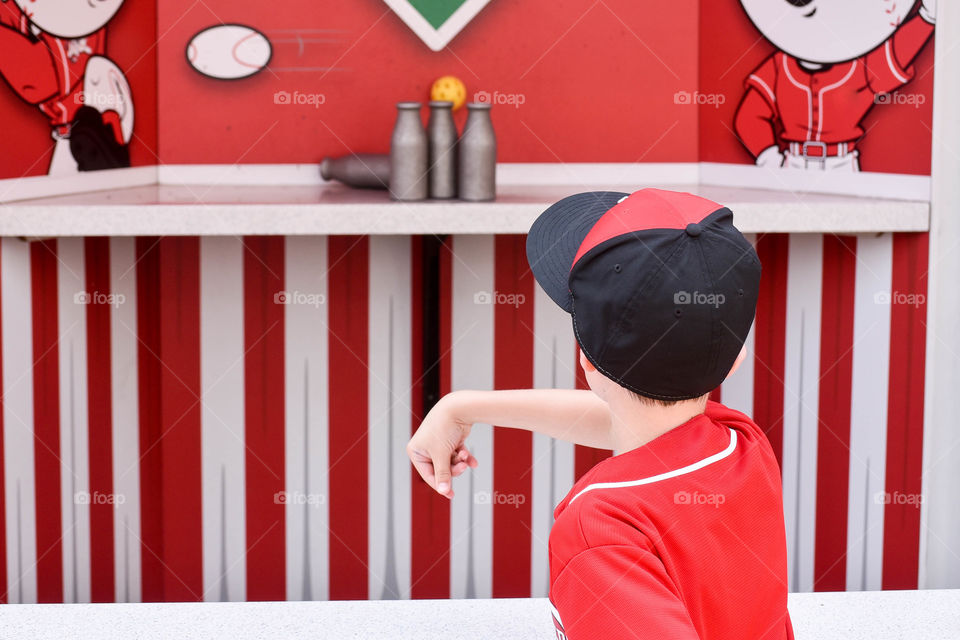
[693,229]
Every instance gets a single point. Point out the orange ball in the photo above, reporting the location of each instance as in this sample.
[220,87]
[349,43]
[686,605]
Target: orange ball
[450,89]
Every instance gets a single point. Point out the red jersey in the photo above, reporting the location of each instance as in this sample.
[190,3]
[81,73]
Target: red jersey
[682,538]
[827,105]
[44,69]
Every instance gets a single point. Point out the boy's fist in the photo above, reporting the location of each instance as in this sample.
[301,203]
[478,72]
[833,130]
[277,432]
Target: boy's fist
[437,449]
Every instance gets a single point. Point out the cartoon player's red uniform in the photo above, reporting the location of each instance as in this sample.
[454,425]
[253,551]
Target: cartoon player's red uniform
[820,111]
[835,59]
[44,69]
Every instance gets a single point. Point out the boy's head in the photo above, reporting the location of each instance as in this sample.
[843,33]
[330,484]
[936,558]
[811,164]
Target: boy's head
[661,287]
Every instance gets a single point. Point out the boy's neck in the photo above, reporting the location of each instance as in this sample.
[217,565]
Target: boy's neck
[634,424]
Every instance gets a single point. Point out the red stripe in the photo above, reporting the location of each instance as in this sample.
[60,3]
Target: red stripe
[46,420]
[3,508]
[901,515]
[585,458]
[430,553]
[263,278]
[717,394]
[100,417]
[181,483]
[512,448]
[833,434]
[770,339]
[348,290]
[149,369]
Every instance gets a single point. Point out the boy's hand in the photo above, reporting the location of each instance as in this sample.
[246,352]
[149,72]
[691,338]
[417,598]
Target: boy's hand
[437,449]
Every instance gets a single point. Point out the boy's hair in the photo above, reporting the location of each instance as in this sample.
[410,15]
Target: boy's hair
[656,402]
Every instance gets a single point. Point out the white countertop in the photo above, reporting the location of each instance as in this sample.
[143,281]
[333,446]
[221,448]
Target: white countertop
[872,615]
[199,209]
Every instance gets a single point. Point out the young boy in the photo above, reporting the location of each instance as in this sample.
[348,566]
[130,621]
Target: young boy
[679,535]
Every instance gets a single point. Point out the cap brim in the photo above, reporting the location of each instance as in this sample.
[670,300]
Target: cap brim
[557,234]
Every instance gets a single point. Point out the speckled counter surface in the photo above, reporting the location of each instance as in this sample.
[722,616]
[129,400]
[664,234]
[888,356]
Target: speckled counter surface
[197,209]
[927,615]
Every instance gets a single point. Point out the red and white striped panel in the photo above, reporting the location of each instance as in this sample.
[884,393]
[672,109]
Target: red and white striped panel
[225,418]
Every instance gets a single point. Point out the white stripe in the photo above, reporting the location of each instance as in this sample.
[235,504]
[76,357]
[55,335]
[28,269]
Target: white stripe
[823,110]
[19,487]
[737,390]
[126,419]
[222,419]
[806,89]
[471,546]
[389,379]
[766,87]
[800,404]
[306,446]
[690,468]
[74,455]
[554,366]
[890,63]
[868,411]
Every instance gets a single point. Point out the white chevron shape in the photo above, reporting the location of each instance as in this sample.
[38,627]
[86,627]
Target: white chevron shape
[436,39]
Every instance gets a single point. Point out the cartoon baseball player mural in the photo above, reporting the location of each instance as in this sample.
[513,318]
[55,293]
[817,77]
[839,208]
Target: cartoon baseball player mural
[52,56]
[836,59]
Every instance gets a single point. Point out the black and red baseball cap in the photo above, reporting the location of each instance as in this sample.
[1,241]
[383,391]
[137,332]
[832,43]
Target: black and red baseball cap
[661,287]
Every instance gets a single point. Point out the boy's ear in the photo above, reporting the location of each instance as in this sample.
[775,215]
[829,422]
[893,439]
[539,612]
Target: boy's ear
[586,364]
[740,358]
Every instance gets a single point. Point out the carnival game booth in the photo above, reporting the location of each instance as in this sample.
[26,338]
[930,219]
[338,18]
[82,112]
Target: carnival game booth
[212,358]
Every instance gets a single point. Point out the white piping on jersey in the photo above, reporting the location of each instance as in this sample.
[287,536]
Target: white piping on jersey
[829,88]
[893,68]
[765,86]
[790,77]
[66,67]
[665,476]
[820,93]
[553,610]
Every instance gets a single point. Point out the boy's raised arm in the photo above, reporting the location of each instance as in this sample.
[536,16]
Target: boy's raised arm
[438,449]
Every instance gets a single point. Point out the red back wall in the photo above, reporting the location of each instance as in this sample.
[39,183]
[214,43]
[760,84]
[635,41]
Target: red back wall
[598,80]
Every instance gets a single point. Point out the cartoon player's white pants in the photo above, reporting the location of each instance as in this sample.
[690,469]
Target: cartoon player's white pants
[62,163]
[849,162]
